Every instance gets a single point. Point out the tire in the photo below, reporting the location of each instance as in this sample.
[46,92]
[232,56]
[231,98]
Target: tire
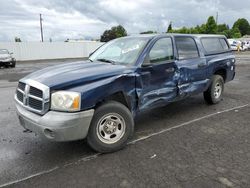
[214,93]
[111,127]
[13,64]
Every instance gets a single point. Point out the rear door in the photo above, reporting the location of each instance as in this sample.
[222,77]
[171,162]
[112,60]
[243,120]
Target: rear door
[192,66]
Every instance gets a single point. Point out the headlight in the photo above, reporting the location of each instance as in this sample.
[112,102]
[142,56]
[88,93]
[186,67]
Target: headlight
[66,101]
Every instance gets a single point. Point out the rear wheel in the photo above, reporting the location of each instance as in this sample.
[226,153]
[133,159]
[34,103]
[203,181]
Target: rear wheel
[213,95]
[111,127]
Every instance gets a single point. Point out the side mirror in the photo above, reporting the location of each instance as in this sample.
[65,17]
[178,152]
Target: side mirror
[11,53]
[146,62]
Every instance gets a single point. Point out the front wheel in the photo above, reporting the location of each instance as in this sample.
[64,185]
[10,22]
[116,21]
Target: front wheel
[213,95]
[111,127]
[13,64]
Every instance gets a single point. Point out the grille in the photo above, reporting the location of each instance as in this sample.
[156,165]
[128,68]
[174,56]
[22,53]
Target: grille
[21,86]
[31,98]
[19,96]
[36,92]
[20,91]
[36,104]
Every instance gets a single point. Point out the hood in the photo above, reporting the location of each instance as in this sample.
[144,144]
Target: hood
[5,56]
[72,74]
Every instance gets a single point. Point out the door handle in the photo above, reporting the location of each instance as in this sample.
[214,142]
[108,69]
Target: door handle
[202,65]
[169,70]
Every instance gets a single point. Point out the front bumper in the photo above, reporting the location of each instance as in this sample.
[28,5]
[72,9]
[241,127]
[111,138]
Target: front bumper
[7,62]
[56,126]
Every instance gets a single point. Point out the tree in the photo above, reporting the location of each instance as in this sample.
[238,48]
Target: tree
[119,31]
[17,39]
[113,33]
[108,35]
[243,25]
[203,29]
[211,26]
[235,32]
[222,27]
[170,28]
[148,32]
[193,30]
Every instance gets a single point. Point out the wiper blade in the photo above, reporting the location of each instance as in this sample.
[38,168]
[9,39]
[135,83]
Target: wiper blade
[106,61]
[90,60]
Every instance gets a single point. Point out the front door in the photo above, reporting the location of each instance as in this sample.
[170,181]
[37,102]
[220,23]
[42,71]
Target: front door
[156,83]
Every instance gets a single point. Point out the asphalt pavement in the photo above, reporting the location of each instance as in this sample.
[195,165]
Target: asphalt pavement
[185,144]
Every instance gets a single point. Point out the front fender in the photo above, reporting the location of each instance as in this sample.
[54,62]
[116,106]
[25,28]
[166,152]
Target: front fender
[95,92]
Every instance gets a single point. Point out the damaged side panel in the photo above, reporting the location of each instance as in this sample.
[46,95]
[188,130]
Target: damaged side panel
[96,92]
[156,85]
[193,76]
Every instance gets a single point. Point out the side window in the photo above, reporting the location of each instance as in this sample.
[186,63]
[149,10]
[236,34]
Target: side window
[214,45]
[186,48]
[224,44]
[162,51]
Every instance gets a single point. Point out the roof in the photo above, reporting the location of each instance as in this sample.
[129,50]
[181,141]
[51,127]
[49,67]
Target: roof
[176,34]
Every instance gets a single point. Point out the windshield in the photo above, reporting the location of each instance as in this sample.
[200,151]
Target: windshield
[120,51]
[4,52]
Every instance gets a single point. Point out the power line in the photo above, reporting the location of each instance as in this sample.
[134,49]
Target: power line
[41,27]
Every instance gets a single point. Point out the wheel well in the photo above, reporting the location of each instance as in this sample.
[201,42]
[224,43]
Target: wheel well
[119,97]
[221,72]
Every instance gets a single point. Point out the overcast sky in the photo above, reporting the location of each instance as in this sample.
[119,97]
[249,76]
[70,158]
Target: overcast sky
[73,19]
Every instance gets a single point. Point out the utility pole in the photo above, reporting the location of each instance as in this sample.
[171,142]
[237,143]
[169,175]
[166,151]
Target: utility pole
[41,27]
[217,17]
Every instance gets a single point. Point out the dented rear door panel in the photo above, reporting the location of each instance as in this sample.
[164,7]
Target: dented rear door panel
[192,76]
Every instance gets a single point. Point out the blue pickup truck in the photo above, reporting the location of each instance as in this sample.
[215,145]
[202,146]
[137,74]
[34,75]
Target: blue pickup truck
[98,99]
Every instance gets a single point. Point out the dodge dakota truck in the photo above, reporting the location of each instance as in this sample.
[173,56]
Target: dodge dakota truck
[99,98]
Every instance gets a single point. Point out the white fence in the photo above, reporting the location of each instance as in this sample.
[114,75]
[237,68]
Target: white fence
[25,51]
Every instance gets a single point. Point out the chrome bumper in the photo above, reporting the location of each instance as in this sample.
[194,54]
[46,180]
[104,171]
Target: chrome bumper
[56,126]
[6,60]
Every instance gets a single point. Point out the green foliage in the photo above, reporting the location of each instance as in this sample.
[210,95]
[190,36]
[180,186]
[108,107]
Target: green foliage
[222,27]
[148,32]
[119,31]
[113,33]
[193,31]
[185,30]
[231,33]
[236,33]
[211,26]
[243,25]
[201,29]
[170,28]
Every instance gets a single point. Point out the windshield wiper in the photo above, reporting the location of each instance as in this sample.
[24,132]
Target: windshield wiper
[106,61]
